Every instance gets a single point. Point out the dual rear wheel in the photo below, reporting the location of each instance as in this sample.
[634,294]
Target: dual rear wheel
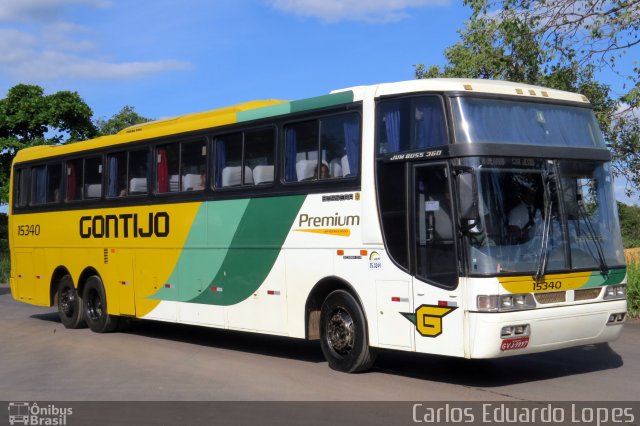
[88,310]
[343,334]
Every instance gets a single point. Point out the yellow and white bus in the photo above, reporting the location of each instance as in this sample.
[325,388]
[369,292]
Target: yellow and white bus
[466,218]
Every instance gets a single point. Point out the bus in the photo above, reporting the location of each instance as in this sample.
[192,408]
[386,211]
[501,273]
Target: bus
[456,217]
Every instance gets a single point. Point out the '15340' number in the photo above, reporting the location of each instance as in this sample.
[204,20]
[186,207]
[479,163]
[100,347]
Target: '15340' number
[547,285]
[28,230]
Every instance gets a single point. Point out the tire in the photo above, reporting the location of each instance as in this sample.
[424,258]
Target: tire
[343,334]
[95,307]
[70,308]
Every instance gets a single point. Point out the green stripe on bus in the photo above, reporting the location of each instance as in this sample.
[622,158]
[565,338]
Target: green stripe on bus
[255,247]
[269,111]
[322,101]
[198,265]
[615,276]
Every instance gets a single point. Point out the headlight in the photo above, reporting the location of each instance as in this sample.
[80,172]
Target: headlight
[504,303]
[488,303]
[615,292]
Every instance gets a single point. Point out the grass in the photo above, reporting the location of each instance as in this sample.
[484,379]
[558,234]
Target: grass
[633,287]
[4,266]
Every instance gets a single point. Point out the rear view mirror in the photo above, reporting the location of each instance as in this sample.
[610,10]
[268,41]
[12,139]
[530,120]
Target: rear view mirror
[467,197]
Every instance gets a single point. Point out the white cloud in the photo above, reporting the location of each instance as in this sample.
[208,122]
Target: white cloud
[41,10]
[36,46]
[30,62]
[354,10]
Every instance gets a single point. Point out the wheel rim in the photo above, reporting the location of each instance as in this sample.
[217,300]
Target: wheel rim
[94,305]
[340,332]
[68,302]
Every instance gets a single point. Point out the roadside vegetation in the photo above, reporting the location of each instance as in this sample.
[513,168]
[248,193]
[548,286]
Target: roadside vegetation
[4,250]
[633,282]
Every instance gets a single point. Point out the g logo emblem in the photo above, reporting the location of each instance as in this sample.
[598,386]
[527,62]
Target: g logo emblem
[428,319]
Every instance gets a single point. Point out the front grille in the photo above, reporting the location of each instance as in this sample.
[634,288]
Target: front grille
[587,294]
[552,297]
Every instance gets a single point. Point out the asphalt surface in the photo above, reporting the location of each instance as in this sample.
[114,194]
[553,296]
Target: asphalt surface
[41,360]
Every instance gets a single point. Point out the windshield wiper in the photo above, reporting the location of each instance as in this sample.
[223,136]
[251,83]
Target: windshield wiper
[604,268]
[546,231]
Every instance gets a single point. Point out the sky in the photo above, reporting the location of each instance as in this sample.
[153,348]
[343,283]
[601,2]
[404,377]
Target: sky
[167,58]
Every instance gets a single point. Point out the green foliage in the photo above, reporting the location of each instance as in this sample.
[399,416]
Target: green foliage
[560,44]
[28,117]
[125,118]
[629,225]
[633,289]
[4,249]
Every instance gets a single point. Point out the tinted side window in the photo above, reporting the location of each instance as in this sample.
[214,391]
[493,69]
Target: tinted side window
[193,166]
[21,187]
[138,171]
[92,178]
[258,152]
[325,148]
[410,123]
[38,185]
[244,158]
[75,173]
[168,168]
[117,174]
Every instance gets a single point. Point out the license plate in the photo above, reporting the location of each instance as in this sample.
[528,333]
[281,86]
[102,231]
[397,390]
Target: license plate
[511,344]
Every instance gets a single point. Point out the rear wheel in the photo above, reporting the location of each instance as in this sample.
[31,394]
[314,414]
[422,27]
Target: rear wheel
[95,307]
[343,334]
[70,307]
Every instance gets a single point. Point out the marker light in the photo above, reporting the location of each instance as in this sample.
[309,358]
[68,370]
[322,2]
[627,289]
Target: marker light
[505,303]
[615,292]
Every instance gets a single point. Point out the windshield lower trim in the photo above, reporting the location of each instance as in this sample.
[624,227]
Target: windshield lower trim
[547,272]
[535,151]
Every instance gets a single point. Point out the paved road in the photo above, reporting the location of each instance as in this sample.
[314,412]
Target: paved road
[41,360]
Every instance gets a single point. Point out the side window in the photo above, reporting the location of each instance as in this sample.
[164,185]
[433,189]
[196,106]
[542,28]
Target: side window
[74,169]
[228,157]
[168,168]
[301,150]
[244,158]
[258,156]
[92,178]
[54,183]
[435,238]
[137,172]
[46,184]
[117,174]
[410,124]
[323,149]
[38,185]
[340,145]
[21,190]
[193,166]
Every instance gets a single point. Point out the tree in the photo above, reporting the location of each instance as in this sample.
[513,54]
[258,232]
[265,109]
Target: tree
[560,44]
[629,225]
[123,119]
[28,117]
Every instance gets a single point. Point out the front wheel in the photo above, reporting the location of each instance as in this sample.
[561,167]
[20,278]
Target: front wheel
[343,334]
[69,303]
[95,307]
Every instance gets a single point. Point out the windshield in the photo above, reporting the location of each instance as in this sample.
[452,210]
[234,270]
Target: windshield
[479,120]
[543,214]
